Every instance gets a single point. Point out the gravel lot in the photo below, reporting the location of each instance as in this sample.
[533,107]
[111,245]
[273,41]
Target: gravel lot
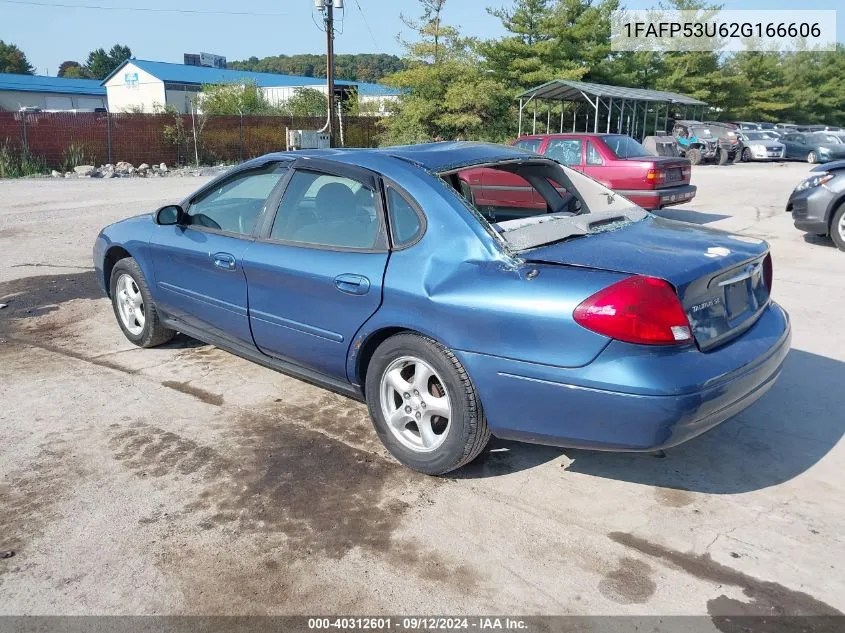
[185,480]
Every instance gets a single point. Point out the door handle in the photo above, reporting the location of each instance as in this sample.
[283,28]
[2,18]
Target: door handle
[352,284]
[224,261]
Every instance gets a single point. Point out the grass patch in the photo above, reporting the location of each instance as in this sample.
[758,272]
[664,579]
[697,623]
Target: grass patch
[17,163]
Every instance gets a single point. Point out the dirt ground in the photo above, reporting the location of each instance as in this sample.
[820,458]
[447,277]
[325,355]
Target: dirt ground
[184,480]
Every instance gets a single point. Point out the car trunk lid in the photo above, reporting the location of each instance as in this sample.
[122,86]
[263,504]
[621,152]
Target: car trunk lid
[655,172]
[719,277]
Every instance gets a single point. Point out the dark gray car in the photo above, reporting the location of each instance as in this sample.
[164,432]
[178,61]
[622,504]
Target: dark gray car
[817,204]
[813,147]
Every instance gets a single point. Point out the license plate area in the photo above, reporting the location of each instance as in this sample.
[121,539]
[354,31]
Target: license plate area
[673,175]
[736,300]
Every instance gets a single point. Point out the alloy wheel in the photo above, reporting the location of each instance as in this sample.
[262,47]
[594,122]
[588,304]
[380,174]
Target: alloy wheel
[130,304]
[415,404]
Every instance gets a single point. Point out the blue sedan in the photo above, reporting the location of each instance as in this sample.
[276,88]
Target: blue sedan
[578,320]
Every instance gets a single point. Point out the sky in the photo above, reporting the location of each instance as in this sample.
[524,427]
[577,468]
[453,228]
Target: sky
[65,30]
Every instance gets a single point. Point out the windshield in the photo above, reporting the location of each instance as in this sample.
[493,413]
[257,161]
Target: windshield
[624,146]
[829,138]
[530,203]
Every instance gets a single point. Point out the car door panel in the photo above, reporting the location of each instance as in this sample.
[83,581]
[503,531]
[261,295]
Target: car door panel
[194,288]
[307,300]
[308,314]
[198,266]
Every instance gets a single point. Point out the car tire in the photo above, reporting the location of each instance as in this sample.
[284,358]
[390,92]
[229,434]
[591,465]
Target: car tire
[812,158]
[738,158]
[746,155]
[723,156]
[837,227]
[399,397]
[693,156]
[133,306]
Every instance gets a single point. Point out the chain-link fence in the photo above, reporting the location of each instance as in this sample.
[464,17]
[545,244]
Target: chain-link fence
[62,138]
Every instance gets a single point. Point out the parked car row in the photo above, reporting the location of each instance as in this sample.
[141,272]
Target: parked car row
[783,128]
[778,141]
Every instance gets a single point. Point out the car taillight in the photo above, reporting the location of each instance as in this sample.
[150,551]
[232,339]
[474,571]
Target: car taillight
[638,309]
[655,175]
[768,272]
[686,170]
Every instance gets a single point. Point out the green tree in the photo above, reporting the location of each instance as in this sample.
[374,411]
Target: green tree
[436,41]
[101,63]
[764,88]
[234,99]
[524,57]
[306,102]
[551,39]
[13,60]
[816,85]
[370,67]
[447,93]
[71,69]
[77,72]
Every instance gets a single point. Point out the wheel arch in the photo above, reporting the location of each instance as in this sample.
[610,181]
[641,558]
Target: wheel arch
[832,208]
[368,346]
[114,254]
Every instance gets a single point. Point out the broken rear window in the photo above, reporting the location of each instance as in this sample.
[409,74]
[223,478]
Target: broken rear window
[531,203]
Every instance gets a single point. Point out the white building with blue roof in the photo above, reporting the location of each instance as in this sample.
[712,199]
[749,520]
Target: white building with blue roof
[141,85]
[48,94]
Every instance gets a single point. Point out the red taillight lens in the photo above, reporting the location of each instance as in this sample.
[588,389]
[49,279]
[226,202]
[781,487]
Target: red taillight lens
[655,175]
[638,309]
[768,272]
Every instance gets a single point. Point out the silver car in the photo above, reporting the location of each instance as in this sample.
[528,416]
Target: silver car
[761,146]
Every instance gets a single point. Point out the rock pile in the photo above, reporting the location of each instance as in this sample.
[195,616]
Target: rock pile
[128,170]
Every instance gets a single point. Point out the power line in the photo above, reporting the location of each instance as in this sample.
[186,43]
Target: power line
[33,3]
[367,24]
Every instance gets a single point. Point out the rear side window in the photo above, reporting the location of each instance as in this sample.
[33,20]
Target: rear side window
[593,156]
[624,146]
[405,223]
[566,151]
[531,144]
[329,211]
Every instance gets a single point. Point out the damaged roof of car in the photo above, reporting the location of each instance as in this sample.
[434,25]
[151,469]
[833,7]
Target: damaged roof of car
[437,157]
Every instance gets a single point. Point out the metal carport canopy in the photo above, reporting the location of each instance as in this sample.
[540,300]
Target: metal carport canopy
[593,94]
[568,90]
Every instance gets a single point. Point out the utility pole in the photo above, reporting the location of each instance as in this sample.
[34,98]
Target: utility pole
[327,7]
[329,22]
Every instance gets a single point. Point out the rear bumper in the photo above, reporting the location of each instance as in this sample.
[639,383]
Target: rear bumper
[657,198]
[630,398]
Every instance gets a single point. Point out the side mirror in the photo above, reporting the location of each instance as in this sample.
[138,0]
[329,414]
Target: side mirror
[170,215]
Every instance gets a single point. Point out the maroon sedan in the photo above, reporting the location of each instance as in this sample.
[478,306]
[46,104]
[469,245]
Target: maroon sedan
[615,160]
